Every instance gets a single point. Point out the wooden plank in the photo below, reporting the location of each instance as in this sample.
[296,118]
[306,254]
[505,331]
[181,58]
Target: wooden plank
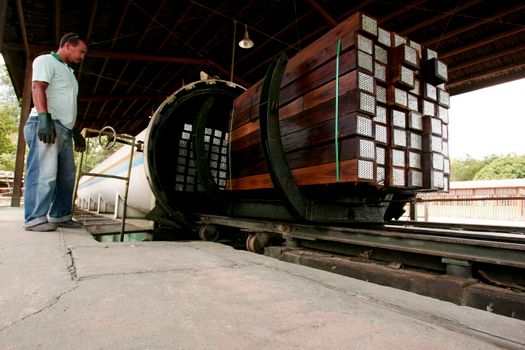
[247,107]
[316,175]
[310,58]
[349,85]
[305,120]
[251,160]
[113,229]
[317,134]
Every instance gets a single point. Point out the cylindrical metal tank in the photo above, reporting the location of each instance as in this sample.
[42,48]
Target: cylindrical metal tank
[165,174]
[105,194]
[187,164]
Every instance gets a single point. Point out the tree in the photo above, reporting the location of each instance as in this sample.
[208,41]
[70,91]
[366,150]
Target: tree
[465,169]
[506,167]
[95,154]
[9,119]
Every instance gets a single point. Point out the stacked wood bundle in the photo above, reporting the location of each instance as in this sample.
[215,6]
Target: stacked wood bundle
[391,118]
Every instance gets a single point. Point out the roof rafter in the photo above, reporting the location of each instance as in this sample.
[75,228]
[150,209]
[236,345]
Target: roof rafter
[21,20]
[474,25]
[58,5]
[399,12]
[486,74]
[439,17]
[3,10]
[328,18]
[497,37]
[101,98]
[483,59]
[137,45]
[88,33]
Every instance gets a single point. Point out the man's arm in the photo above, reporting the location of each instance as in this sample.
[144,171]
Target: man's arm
[39,95]
[46,126]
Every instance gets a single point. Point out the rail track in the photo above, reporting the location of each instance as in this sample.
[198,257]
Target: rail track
[492,244]
[474,265]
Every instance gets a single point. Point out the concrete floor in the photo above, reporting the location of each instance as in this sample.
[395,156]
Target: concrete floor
[64,290]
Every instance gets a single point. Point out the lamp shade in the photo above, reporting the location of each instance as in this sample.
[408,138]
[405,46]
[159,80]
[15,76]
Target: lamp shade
[246,42]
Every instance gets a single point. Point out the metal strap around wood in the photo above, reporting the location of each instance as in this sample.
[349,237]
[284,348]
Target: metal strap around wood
[270,133]
[201,160]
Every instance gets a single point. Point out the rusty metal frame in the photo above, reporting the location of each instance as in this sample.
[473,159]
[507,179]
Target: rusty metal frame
[120,138]
[468,249]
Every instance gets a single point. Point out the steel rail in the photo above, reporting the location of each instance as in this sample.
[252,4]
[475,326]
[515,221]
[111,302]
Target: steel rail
[466,199]
[460,226]
[460,233]
[426,242]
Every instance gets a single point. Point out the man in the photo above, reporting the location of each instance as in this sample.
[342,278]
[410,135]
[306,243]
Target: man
[50,174]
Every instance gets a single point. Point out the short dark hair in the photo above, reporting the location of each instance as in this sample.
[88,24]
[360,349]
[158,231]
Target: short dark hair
[72,38]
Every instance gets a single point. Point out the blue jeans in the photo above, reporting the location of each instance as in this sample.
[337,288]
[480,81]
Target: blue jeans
[50,176]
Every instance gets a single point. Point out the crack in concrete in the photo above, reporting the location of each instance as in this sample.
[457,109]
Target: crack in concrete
[440,321]
[99,275]
[46,307]
[71,267]
[68,255]
[151,272]
[446,323]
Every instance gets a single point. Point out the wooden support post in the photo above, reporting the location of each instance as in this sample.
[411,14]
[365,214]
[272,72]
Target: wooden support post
[21,145]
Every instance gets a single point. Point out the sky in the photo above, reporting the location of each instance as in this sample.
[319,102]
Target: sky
[486,121]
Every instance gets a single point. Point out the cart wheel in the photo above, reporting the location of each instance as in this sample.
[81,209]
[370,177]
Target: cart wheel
[209,233]
[254,243]
[250,242]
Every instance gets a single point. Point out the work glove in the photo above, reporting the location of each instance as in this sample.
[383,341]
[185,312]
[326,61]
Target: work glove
[46,128]
[80,141]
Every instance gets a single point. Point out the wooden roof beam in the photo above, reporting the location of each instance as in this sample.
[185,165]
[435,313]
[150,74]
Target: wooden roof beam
[117,55]
[399,12]
[58,5]
[474,25]
[92,20]
[148,58]
[481,84]
[486,75]
[168,36]
[263,44]
[3,11]
[88,33]
[115,35]
[439,17]
[479,43]
[327,17]
[153,19]
[220,33]
[177,23]
[471,63]
[21,20]
[102,98]
[360,5]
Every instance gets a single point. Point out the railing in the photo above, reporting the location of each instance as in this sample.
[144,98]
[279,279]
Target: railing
[107,138]
[494,208]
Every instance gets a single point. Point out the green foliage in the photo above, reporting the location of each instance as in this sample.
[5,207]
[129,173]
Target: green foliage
[506,167]
[9,120]
[96,154]
[465,169]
